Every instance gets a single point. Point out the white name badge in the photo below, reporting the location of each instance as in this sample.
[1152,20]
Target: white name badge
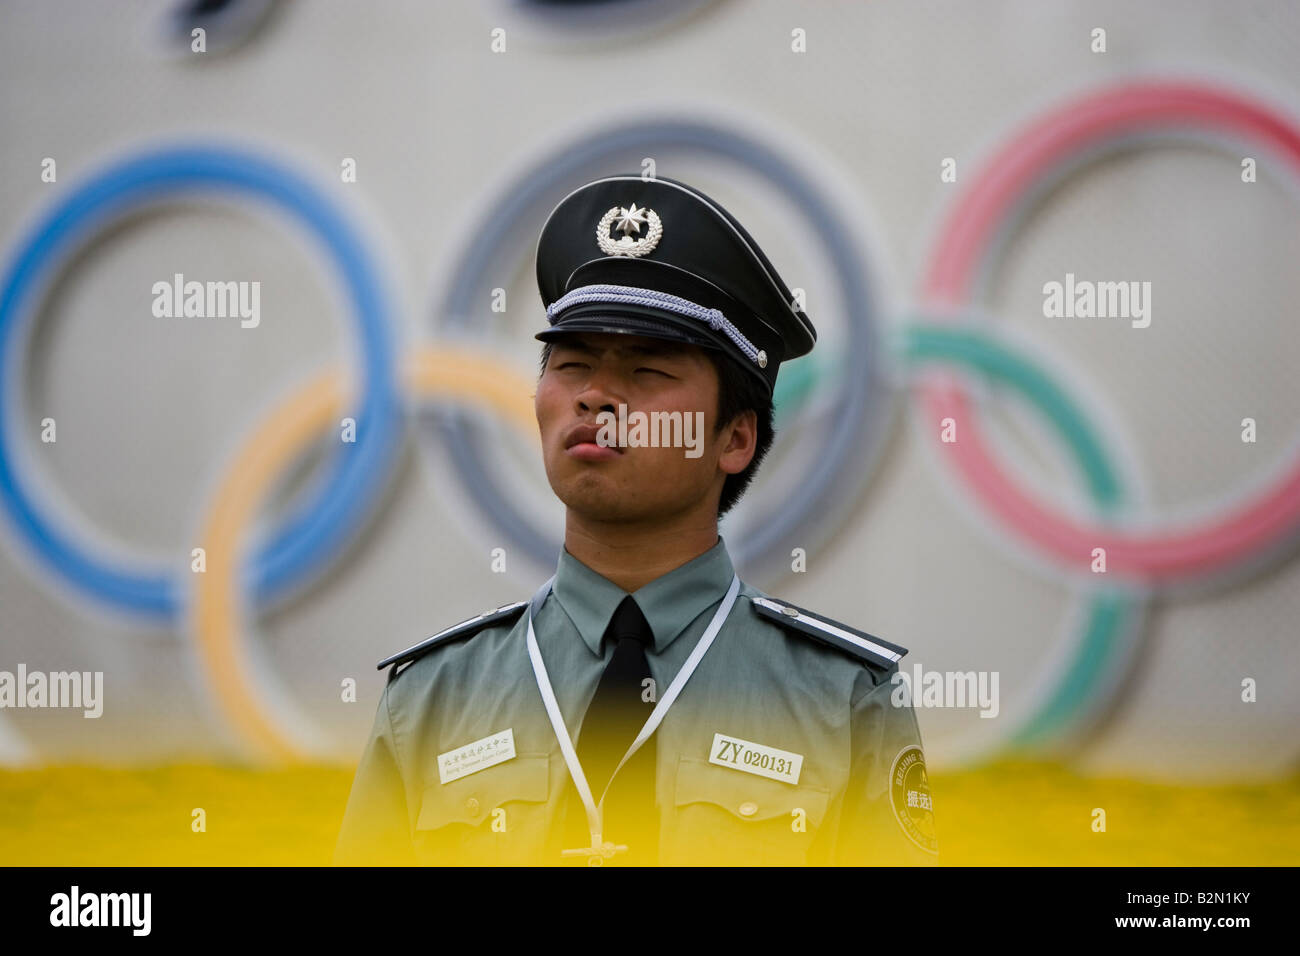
[755,758]
[481,754]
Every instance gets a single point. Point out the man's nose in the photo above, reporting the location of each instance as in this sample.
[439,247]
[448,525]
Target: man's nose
[602,391]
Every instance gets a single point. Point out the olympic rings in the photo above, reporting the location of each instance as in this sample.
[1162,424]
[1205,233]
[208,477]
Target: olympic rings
[316,532]
[1074,685]
[856,420]
[250,696]
[969,235]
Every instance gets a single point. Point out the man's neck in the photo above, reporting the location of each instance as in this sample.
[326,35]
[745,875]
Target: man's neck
[633,556]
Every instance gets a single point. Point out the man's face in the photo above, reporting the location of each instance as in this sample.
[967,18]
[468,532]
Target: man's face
[589,373]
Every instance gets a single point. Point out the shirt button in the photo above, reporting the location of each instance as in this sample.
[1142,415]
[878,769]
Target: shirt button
[748,808]
[472,806]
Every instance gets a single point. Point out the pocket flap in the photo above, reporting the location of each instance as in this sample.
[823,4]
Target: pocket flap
[471,799]
[746,796]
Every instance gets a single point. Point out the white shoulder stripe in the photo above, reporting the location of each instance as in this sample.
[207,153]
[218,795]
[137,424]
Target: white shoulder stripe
[825,626]
[471,625]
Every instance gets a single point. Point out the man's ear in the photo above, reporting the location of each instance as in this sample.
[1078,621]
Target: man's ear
[740,440]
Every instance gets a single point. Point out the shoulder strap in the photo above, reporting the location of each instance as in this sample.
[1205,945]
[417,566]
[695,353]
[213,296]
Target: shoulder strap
[879,655]
[506,612]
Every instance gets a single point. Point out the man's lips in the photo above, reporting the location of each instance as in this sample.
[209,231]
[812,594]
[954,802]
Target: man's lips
[581,443]
[590,451]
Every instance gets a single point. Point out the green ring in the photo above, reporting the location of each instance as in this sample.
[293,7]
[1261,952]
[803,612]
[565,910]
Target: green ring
[1109,615]
[798,378]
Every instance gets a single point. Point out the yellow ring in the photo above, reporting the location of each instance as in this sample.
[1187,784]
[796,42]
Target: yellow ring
[216,611]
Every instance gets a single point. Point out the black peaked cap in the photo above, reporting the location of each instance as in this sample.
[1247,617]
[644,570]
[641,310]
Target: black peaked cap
[703,270]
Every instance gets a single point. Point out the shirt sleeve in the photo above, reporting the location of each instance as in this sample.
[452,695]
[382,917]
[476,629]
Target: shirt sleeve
[376,828]
[888,812]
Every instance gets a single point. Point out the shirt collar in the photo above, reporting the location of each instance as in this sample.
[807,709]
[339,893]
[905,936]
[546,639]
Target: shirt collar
[670,602]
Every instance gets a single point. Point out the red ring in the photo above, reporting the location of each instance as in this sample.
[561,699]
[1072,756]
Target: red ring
[1167,553]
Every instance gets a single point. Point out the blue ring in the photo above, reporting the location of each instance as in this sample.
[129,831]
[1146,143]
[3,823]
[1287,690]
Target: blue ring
[318,529]
[864,401]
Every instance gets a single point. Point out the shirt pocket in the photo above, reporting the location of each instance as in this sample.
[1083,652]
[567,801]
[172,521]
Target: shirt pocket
[494,817]
[725,816]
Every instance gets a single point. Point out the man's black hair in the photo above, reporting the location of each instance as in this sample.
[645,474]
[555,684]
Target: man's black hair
[738,391]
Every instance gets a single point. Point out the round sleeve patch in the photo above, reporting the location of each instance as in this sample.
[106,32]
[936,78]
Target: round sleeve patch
[909,794]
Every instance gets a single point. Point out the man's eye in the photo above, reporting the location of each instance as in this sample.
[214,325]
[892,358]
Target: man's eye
[569,364]
[655,370]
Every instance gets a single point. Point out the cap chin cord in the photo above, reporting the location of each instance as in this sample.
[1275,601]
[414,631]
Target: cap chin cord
[631,295]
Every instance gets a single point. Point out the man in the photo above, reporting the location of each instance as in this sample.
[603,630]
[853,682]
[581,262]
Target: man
[646,706]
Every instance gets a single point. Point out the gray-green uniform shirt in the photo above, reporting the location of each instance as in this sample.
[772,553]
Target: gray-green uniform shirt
[861,795]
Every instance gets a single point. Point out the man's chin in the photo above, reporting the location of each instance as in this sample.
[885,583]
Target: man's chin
[599,508]
[599,501]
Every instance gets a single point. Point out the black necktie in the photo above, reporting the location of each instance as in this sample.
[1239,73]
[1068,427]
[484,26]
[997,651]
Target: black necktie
[615,716]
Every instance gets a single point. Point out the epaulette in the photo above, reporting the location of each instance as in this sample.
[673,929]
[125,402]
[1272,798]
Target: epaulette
[880,656]
[506,612]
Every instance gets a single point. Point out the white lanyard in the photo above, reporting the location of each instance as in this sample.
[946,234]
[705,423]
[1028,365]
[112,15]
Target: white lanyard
[594,810]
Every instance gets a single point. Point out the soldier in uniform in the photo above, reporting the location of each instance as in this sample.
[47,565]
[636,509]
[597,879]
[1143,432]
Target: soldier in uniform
[646,706]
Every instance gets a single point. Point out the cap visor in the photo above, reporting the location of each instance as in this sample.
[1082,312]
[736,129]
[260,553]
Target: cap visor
[626,325]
